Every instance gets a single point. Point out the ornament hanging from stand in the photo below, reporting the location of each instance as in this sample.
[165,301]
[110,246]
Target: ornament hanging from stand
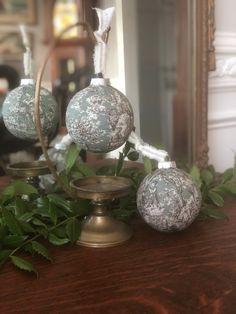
[18,107]
[100,118]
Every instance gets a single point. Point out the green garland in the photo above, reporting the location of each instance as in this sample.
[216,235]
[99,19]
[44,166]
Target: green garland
[29,218]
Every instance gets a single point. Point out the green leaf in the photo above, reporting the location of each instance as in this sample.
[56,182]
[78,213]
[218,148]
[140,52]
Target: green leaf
[71,156]
[196,175]
[73,229]
[65,180]
[106,170]
[147,165]
[43,201]
[19,188]
[26,227]
[26,217]
[85,169]
[13,241]
[28,248]
[9,191]
[59,201]
[230,188]
[127,148]
[57,241]
[23,264]
[19,207]
[227,175]
[133,156]
[60,232]
[43,232]
[81,207]
[41,249]
[207,177]
[3,256]
[53,213]
[38,222]
[216,198]
[11,222]
[214,213]
[3,232]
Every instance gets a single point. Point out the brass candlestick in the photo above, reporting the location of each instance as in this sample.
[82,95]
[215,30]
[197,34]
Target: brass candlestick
[100,230]
[29,170]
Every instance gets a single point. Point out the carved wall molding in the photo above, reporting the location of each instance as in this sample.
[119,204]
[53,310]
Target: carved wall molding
[222,120]
[222,85]
[224,68]
[225,43]
[225,47]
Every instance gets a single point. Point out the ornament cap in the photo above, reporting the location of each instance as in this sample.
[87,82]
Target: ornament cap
[166,164]
[27,82]
[99,81]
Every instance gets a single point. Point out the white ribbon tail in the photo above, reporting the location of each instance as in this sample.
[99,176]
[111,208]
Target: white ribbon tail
[146,149]
[27,58]
[105,18]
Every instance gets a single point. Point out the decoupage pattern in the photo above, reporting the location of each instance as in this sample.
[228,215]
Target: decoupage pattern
[19,116]
[99,118]
[168,200]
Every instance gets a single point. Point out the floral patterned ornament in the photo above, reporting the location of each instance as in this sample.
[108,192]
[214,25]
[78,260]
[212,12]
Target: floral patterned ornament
[18,111]
[99,118]
[168,200]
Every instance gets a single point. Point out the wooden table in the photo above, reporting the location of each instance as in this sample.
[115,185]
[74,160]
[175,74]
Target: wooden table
[193,271]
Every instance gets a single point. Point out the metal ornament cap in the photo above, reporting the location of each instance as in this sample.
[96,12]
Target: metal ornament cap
[166,164]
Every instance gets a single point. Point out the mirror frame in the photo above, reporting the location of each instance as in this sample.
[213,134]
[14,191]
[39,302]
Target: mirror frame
[205,61]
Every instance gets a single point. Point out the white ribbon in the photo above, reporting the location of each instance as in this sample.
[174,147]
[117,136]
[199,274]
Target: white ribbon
[104,18]
[28,69]
[146,149]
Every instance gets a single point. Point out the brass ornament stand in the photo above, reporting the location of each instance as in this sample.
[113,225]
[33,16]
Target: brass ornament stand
[100,230]
[29,170]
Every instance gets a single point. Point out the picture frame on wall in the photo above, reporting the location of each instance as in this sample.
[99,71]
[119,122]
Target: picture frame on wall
[17,11]
[11,46]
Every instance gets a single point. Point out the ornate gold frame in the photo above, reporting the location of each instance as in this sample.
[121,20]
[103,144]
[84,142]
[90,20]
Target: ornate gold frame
[205,61]
[28,17]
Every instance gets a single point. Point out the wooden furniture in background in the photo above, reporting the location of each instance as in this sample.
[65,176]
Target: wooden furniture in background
[193,271]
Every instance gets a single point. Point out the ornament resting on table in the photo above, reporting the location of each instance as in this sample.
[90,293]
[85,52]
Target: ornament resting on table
[100,118]
[18,108]
[168,199]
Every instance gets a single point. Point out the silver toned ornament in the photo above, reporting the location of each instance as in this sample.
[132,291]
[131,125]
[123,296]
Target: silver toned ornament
[99,118]
[168,199]
[18,111]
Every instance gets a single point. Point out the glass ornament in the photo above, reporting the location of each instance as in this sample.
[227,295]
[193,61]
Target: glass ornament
[99,118]
[168,200]
[19,113]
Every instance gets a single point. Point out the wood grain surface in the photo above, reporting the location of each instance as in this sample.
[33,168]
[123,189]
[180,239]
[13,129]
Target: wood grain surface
[193,271]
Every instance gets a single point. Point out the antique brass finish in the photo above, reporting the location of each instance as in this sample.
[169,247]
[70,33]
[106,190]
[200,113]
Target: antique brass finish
[29,170]
[100,230]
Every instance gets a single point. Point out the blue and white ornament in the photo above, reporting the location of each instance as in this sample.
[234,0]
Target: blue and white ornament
[168,200]
[18,107]
[18,111]
[99,118]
